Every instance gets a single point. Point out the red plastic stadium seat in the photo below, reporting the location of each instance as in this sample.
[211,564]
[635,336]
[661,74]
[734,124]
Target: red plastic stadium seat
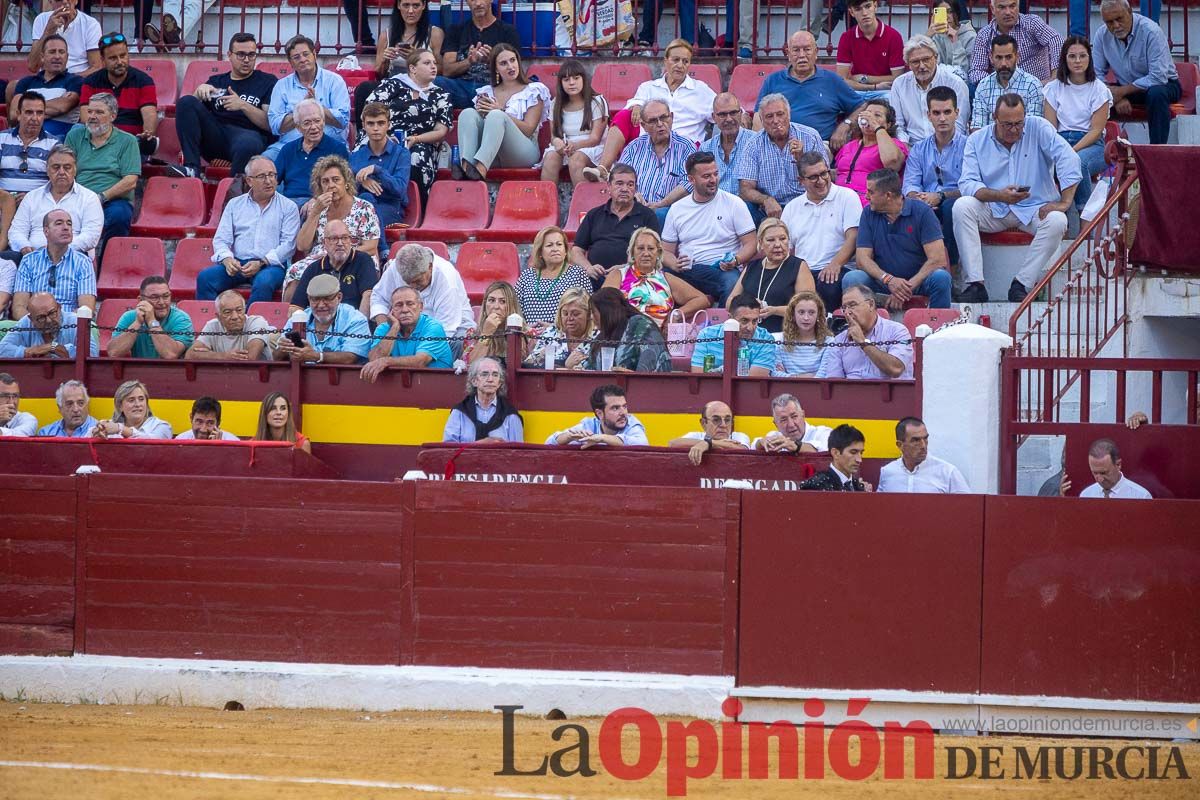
[171,207]
[933,317]
[201,311]
[439,248]
[199,72]
[412,216]
[619,82]
[108,315]
[708,73]
[1013,238]
[280,69]
[547,74]
[168,149]
[481,263]
[522,209]
[1189,77]
[584,198]
[127,260]
[209,228]
[457,210]
[276,314]
[166,80]
[747,79]
[191,256]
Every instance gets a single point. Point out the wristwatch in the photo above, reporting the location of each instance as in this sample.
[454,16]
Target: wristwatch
[863,80]
[709,440]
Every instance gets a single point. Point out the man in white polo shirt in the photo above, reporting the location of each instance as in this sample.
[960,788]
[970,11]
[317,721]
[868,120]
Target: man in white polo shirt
[792,432]
[823,226]
[1104,460]
[915,471]
[710,232]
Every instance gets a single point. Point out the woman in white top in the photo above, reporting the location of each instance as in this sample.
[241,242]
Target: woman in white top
[132,417]
[1077,104]
[578,121]
[503,127]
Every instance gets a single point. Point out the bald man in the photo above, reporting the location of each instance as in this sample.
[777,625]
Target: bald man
[718,433]
[728,139]
[818,97]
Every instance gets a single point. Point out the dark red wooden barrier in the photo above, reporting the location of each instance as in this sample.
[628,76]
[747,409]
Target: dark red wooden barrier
[276,570]
[654,466]
[37,565]
[161,457]
[1091,599]
[630,579]
[1163,458]
[860,591]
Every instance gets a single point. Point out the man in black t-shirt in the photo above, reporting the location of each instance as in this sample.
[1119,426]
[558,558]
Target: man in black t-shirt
[467,52]
[602,240]
[226,117]
[355,270]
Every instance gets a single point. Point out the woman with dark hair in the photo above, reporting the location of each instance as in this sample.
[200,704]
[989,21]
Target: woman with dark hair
[276,423]
[420,114]
[578,122]
[873,145]
[485,413]
[1077,104]
[639,343]
[502,128]
[410,28]
[954,38]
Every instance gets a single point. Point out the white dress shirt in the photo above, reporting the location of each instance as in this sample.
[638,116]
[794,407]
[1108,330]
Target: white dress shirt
[634,432]
[87,218]
[932,476]
[226,436]
[818,230]
[445,298]
[736,436]
[1124,489]
[908,100]
[691,104]
[817,436]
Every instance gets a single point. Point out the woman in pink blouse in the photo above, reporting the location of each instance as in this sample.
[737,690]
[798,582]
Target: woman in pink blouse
[873,145]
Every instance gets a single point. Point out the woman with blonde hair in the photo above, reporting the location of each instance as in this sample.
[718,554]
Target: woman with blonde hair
[333,197]
[805,330]
[649,288]
[571,336]
[276,423]
[548,274]
[775,277]
[487,338]
[132,417]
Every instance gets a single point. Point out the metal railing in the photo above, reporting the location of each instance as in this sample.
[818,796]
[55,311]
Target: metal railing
[544,30]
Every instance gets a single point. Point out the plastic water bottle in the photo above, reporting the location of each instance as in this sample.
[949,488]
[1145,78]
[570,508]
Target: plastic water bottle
[743,361]
[454,154]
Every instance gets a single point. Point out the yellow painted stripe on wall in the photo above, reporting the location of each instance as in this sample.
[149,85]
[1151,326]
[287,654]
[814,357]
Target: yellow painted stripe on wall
[393,425]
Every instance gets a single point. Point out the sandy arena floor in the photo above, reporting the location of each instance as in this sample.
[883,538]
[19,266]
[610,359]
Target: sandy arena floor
[167,753]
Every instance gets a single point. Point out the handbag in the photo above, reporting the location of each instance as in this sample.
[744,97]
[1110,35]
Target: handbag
[1096,202]
[679,330]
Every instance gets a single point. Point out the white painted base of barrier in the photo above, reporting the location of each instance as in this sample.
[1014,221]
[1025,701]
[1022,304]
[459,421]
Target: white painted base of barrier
[1035,716]
[149,681]
[1003,262]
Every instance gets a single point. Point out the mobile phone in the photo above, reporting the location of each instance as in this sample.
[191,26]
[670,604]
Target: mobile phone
[295,338]
[1023,188]
[939,16]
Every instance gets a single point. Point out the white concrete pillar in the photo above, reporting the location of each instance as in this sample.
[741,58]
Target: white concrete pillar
[960,386]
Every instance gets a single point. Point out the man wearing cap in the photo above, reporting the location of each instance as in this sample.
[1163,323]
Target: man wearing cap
[334,333]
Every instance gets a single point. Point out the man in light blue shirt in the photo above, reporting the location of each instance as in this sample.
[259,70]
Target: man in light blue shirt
[334,333]
[254,240]
[76,423]
[1137,52]
[1008,181]
[408,339]
[45,332]
[935,163]
[729,140]
[327,88]
[485,412]
[611,424]
[760,348]
[768,177]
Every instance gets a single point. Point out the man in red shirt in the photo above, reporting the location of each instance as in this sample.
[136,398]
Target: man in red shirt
[871,54]
[137,99]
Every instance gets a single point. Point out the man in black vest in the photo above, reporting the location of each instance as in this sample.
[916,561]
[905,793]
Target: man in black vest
[846,445]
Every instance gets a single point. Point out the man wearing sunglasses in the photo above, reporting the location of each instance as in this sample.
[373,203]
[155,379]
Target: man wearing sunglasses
[226,117]
[137,98]
[56,268]
[81,31]
[23,154]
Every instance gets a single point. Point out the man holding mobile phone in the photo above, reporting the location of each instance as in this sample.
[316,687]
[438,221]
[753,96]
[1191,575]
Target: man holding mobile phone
[1008,182]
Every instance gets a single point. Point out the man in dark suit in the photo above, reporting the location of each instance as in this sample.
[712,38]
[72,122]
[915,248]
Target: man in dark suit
[846,445]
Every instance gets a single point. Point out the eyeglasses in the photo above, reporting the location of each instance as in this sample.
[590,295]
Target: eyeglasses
[329,238]
[248,56]
[112,38]
[157,298]
[491,373]
[727,114]
[920,62]
[1011,126]
[721,420]
[264,176]
[652,121]
[938,172]
[853,304]
[820,176]
[10,396]
[49,315]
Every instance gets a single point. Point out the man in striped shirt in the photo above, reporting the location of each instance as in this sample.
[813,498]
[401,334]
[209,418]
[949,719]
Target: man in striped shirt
[768,178]
[56,268]
[659,157]
[23,154]
[1037,42]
